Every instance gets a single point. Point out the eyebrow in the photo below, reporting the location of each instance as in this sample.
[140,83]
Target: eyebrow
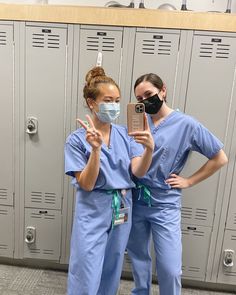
[112,97]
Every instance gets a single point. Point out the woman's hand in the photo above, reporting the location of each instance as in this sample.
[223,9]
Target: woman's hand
[144,137]
[93,136]
[176,181]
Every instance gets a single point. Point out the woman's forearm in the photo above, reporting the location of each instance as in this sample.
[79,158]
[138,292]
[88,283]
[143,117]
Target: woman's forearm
[88,177]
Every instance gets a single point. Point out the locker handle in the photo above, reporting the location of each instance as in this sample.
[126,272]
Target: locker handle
[43,211]
[191,227]
[32,125]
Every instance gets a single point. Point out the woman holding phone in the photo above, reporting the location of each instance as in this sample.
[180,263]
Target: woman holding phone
[157,197]
[100,158]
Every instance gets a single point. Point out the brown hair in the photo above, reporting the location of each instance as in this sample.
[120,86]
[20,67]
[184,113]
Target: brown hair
[94,78]
[155,80]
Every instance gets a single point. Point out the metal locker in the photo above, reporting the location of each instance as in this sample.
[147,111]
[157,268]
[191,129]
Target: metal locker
[231,216]
[156,51]
[42,234]
[6,231]
[95,42]
[208,99]
[45,98]
[227,267]
[6,114]
[196,242]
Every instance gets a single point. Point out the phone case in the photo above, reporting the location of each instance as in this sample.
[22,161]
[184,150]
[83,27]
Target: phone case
[135,116]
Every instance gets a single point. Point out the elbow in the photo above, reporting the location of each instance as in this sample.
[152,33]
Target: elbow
[87,188]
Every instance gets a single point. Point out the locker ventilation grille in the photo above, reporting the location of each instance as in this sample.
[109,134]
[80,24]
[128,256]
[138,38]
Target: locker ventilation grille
[39,197]
[43,215]
[3,247]
[191,269]
[46,41]
[196,214]
[201,214]
[48,252]
[186,212]
[35,251]
[217,50]
[3,212]
[234,218]
[3,38]
[230,273]
[233,238]
[3,193]
[100,44]
[196,233]
[161,47]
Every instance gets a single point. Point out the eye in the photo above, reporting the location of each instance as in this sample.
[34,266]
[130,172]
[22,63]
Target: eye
[139,98]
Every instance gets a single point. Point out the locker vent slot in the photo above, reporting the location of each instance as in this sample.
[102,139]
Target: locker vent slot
[39,197]
[148,47]
[193,269]
[206,50]
[230,273]
[3,193]
[217,50]
[233,238]
[35,251]
[108,44]
[3,247]
[198,233]
[234,218]
[38,40]
[48,252]
[53,41]
[46,41]
[92,43]
[50,198]
[49,216]
[201,214]
[36,197]
[222,51]
[3,212]
[186,212]
[185,232]
[162,47]
[36,215]
[3,38]
[42,215]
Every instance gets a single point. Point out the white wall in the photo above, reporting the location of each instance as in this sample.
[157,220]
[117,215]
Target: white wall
[196,5]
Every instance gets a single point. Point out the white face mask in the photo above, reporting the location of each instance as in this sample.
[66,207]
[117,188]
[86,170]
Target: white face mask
[108,112]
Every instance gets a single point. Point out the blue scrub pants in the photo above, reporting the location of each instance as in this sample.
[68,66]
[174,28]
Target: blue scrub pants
[97,249]
[164,225]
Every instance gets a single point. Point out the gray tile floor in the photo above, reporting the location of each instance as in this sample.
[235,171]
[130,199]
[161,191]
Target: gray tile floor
[15,280]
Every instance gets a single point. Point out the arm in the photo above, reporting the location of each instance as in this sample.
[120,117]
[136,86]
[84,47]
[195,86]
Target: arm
[209,168]
[140,165]
[88,177]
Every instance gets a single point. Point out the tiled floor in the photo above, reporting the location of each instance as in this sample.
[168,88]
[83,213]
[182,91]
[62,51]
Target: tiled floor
[15,280]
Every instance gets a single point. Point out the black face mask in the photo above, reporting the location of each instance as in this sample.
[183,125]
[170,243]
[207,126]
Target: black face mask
[152,104]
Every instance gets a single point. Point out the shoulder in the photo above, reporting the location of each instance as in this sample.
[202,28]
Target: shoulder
[186,119]
[122,129]
[76,137]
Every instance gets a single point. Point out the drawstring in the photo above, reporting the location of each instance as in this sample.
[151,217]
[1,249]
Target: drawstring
[115,204]
[146,194]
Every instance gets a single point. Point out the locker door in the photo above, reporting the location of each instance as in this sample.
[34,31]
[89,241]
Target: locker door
[227,273]
[196,242]
[6,114]
[92,41]
[208,100]
[6,231]
[42,234]
[157,52]
[45,76]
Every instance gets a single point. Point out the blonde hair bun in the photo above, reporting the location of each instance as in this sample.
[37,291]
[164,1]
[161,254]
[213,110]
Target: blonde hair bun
[93,73]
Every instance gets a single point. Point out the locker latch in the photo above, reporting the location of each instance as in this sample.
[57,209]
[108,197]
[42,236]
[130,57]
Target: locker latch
[32,125]
[228,257]
[30,233]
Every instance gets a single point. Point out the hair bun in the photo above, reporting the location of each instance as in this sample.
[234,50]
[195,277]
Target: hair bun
[93,73]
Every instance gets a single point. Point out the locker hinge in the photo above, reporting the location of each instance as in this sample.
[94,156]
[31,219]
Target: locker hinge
[179,43]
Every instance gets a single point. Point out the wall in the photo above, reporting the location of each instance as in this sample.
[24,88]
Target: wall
[196,5]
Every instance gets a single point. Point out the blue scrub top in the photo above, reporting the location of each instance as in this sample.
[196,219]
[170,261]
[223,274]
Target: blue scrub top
[115,160]
[174,138]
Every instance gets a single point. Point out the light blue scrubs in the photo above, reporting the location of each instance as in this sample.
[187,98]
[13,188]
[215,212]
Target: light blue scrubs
[156,207]
[97,247]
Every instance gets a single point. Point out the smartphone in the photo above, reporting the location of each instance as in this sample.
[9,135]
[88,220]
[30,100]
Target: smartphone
[135,116]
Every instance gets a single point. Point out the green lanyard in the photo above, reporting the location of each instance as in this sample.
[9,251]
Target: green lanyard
[146,194]
[115,204]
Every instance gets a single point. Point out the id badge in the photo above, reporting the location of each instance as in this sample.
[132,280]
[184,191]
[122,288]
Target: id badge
[122,216]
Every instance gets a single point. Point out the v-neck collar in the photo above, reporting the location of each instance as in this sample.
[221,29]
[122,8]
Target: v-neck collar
[154,127]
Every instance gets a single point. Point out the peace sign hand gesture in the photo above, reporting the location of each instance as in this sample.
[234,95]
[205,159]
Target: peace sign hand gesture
[93,136]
